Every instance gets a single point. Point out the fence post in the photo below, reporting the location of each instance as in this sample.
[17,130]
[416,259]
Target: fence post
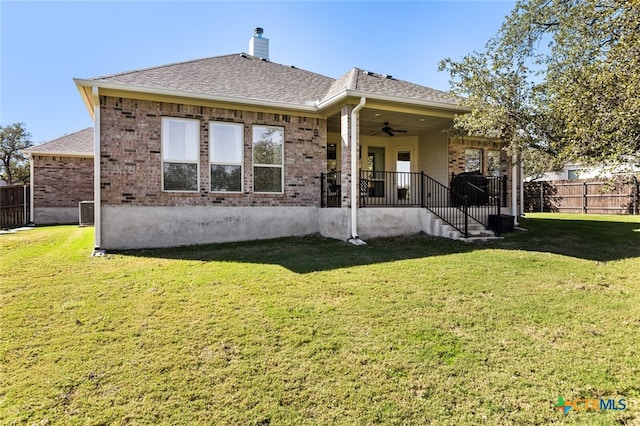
[584,197]
[504,190]
[422,189]
[322,201]
[25,217]
[466,216]
[499,218]
[636,194]
[541,196]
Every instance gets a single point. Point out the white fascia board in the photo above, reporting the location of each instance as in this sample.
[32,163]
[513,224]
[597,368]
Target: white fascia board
[389,98]
[84,86]
[60,154]
[85,93]
[184,94]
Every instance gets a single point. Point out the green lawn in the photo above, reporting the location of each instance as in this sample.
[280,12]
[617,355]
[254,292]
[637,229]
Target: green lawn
[298,331]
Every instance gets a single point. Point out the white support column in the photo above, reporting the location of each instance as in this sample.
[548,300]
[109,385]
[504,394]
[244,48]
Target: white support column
[520,178]
[96,171]
[355,182]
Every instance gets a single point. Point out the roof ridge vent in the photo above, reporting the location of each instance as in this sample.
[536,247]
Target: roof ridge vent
[390,77]
[242,55]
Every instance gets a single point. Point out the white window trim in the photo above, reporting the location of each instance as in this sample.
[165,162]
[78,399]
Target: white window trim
[241,163]
[254,165]
[163,161]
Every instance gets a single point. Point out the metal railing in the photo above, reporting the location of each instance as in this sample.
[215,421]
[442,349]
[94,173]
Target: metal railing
[484,196]
[331,189]
[390,189]
[457,205]
[448,205]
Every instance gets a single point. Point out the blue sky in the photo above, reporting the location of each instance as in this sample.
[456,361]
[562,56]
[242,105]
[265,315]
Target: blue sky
[45,44]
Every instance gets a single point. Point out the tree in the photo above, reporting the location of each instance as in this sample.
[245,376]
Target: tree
[559,81]
[14,138]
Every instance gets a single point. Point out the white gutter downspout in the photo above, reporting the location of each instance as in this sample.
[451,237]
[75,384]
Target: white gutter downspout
[31,171]
[97,229]
[355,180]
[514,189]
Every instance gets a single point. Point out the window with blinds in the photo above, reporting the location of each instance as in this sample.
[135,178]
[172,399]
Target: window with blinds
[180,154]
[226,142]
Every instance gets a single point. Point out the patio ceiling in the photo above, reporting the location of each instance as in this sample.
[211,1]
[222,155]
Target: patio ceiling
[372,121]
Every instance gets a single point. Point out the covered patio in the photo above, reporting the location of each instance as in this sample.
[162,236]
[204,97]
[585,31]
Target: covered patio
[405,158]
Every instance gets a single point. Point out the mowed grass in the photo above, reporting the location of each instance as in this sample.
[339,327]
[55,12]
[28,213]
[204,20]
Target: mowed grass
[412,330]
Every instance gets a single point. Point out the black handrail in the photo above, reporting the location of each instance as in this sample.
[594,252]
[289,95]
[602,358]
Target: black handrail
[448,205]
[484,200]
[455,205]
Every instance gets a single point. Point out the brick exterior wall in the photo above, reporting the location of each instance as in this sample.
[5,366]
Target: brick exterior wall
[62,181]
[456,155]
[131,161]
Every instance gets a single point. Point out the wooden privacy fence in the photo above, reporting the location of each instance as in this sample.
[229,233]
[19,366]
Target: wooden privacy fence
[621,196]
[14,206]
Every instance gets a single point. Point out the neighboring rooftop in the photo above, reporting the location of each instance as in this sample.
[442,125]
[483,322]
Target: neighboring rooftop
[77,144]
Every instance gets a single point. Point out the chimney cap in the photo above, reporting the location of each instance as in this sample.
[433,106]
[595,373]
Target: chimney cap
[258,31]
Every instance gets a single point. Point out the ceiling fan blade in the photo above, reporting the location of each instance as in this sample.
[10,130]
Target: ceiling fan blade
[399,131]
[389,132]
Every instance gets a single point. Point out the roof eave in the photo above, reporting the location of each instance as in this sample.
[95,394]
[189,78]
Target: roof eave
[84,84]
[58,154]
[341,96]
[84,87]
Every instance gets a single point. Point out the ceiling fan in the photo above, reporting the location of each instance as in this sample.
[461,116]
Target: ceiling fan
[389,130]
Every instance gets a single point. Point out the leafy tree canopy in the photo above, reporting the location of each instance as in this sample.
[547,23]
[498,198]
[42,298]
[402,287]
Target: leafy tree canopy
[560,81]
[13,138]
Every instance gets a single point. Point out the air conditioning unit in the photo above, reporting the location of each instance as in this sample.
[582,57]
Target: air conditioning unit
[86,213]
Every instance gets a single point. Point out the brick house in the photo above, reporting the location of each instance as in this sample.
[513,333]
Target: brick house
[237,147]
[61,177]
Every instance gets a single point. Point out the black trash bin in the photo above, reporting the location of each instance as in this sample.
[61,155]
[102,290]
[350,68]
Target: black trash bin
[506,222]
[473,185]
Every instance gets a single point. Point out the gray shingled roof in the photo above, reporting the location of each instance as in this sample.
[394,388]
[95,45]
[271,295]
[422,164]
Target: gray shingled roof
[238,75]
[251,78]
[78,143]
[365,81]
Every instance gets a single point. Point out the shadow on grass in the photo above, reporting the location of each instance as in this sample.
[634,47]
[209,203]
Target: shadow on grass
[591,240]
[312,253]
[587,239]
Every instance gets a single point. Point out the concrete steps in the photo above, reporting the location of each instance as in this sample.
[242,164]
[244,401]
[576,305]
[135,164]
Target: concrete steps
[439,228]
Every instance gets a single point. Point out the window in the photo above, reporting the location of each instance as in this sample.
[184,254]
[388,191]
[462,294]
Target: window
[573,174]
[180,154]
[472,160]
[225,156]
[493,163]
[268,159]
[332,157]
